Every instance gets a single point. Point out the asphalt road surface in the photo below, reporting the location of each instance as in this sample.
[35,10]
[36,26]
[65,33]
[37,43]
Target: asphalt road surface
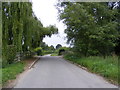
[55,72]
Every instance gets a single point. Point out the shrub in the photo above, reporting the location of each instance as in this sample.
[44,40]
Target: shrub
[38,50]
[62,50]
[11,53]
[93,52]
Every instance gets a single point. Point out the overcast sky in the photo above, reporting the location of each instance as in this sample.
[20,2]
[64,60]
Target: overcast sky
[46,11]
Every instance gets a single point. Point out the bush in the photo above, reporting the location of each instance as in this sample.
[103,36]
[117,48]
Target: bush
[93,52]
[47,52]
[9,55]
[27,54]
[38,51]
[62,50]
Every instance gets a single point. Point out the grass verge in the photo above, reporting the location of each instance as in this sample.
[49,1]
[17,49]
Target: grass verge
[10,72]
[107,67]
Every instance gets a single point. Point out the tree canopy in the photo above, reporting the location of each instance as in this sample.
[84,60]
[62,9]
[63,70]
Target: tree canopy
[91,27]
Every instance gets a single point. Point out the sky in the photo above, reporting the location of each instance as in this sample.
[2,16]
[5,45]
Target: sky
[47,13]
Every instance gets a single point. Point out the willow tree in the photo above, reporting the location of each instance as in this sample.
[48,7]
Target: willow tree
[22,31]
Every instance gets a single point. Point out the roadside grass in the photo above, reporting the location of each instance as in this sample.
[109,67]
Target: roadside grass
[54,54]
[10,72]
[107,67]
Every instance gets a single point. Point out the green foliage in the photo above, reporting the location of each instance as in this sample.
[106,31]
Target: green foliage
[91,27]
[22,29]
[65,48]
[47,49]
[54,54]
[52,29]
[38,50]
[11,71]
[0,36]
[106,67]
[11,53]
[44,46]
[45,52]
[51,48]
[62,50]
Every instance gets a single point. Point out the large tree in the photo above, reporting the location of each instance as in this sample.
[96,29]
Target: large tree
[116,5]
[21,30]
[91,27]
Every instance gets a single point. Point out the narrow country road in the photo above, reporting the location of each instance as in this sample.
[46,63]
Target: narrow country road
[55,72]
